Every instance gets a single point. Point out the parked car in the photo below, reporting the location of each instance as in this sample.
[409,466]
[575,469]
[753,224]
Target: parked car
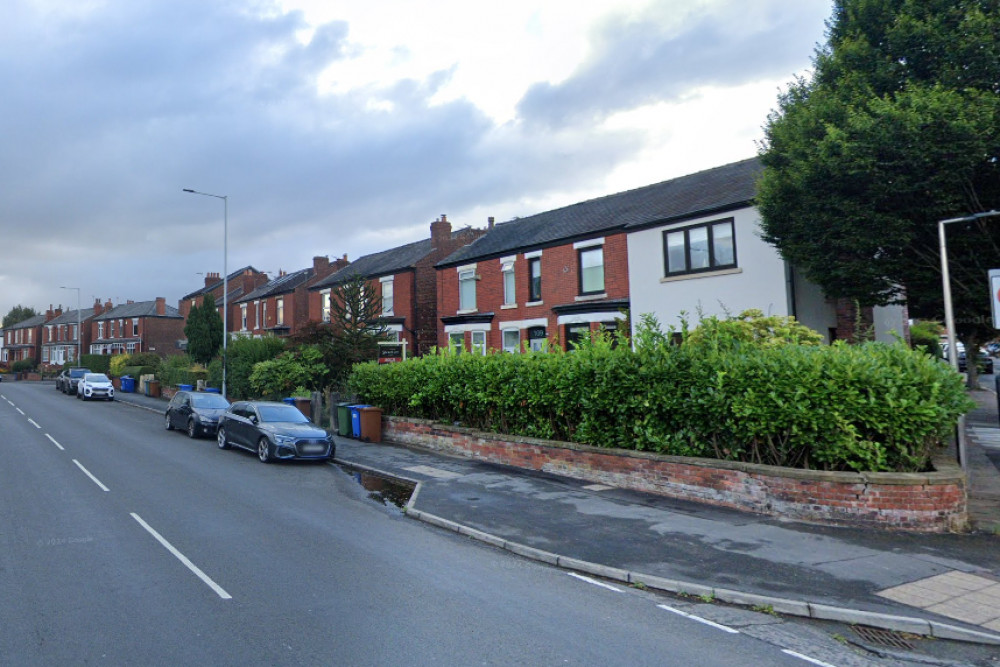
[95,385]
[985,363]
[274,431]
[67,380]
[197,412]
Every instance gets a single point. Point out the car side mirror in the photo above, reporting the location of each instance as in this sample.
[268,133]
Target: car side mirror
[253,419]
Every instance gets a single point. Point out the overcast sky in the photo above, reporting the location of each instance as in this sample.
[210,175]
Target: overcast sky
[347,127]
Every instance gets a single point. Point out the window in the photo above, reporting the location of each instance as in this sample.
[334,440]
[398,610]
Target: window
[45,355]
[511,341]
[135,326]
[324,305]
[243,317]
[699,248]
[280,314]
[391,336]
[479,342]
[467,289]
[576,333]
[537,339]
[387,297]
[509,295]
[591,270]
[76,334]
[263,314]
[535,279]
[100,329]
[130,347]
[456,341]
[256,315]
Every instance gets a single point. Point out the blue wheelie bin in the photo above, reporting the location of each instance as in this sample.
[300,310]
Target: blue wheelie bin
[356,420]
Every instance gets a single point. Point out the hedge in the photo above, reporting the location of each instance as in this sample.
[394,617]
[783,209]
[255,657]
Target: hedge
[97,363]
[870,407]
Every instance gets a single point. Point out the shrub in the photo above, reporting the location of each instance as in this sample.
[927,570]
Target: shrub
[720,394]
[117,363]
[23,366]
[243,354]
[926,335]
[98,363]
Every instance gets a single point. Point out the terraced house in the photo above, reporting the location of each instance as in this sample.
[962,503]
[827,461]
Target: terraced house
[146,326]
[404,279]
[23,340]
[64,334]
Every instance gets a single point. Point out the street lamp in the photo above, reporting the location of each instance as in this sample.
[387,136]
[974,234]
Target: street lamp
[79,323]
[949,312]
[225,276]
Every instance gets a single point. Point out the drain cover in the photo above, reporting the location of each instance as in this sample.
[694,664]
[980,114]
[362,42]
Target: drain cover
[884,637]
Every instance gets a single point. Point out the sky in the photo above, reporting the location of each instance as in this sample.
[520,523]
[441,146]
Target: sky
[348,127]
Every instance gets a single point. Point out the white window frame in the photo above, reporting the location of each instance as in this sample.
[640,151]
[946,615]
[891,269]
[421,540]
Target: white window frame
[279,306]
[467,277]
[456,341]
[478,342]
[388,304]
[516,347]
[324,305]
[243,317]
[509,281]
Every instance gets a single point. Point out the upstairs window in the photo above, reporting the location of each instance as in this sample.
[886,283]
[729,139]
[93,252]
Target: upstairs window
[280,308]
[324,306]
[100,329]
[699,248]
[509,295]
[135,326]
[535,279]
[591,270]
[243,317]
[387,294]
[467,289]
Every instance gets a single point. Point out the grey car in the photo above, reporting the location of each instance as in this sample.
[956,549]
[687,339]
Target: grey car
[274,431]
[196,412]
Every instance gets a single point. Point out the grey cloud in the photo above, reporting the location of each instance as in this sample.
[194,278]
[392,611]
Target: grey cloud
[642,60]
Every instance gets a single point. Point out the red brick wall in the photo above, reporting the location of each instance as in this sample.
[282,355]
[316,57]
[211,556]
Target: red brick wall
[560,286]
[929,502]
[161,333]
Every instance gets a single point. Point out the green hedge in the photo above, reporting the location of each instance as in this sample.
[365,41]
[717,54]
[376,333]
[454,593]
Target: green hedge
[98,363]
[135,372]
[870,407]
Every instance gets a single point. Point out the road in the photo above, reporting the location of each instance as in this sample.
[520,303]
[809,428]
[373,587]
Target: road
[122,543]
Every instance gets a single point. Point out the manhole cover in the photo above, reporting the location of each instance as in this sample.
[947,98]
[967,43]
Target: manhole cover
[884,637]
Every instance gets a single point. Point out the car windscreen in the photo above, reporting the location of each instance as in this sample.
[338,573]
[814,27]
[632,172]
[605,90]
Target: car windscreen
[96,377]
[280,413]
[209,401]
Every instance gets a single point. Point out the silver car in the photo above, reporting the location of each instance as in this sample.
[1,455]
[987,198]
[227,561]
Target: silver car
[95,385]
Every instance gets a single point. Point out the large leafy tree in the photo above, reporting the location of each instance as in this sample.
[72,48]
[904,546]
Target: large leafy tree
[204,331]
[897,128]
[18,314]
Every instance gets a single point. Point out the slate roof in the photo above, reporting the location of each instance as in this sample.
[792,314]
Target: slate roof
[208,288]
[382,263]
[718,189]
[280,285]
[69,317]
[141,309]
[28,323]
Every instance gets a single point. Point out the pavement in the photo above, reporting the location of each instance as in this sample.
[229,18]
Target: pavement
[944,586]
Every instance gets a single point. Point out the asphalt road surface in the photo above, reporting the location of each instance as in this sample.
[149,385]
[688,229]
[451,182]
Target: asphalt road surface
[122,543]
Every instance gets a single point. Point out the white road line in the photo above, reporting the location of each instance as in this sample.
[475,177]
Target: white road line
[33,422]
[87,473]
[806,658]
[182,558]
[699,619]
[54,442]
[594,581]
[18,409]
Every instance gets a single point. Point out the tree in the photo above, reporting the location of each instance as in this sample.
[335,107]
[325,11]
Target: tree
[18,314]
[898,128]
[353,333]
[204,331]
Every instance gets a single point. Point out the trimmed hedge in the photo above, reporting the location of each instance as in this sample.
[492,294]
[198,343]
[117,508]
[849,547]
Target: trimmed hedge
[871,407]
[97,363]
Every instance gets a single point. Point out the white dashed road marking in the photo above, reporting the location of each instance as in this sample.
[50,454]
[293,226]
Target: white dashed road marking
[713,624]
[806,658]
[183,559]
[54,442]
[594,582]
[92,478]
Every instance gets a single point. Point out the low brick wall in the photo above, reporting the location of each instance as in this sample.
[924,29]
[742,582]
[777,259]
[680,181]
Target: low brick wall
[929,502]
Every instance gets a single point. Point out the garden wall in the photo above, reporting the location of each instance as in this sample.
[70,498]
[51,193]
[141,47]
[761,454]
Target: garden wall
[929,502]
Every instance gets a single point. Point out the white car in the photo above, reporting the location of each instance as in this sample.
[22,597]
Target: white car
[95,385]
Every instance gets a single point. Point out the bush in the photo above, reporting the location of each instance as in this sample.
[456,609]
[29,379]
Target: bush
[118,362]
[243,354]
[23,366]
[98,363]
[927,336]
[871,407]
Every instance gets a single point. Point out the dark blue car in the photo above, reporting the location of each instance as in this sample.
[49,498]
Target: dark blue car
[276,431]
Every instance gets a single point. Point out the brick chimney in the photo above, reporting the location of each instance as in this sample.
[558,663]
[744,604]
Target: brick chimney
[489,223]
[211,279]
[321,265]
[440,232]
[97,306]
[108,305]
[161,306]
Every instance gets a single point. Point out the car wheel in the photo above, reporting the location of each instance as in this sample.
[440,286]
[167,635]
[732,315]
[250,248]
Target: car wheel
[166,423]
[192,429]
[264,450]
[221,439]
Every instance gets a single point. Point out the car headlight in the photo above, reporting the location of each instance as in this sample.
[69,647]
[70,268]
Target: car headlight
[284,439]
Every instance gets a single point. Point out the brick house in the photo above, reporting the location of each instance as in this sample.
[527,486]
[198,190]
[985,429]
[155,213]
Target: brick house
[23,340]
[62,334]
[281,306]
[405,279]
[549,278]
[147,326]
[241,282]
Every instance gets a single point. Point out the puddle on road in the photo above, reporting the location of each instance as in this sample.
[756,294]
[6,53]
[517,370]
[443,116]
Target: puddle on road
[384,490]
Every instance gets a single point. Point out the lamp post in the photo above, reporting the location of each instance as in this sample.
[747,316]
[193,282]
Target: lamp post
[949,312]
[225,276]
[79,323]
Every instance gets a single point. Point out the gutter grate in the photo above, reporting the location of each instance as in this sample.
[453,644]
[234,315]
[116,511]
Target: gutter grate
[883,637]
